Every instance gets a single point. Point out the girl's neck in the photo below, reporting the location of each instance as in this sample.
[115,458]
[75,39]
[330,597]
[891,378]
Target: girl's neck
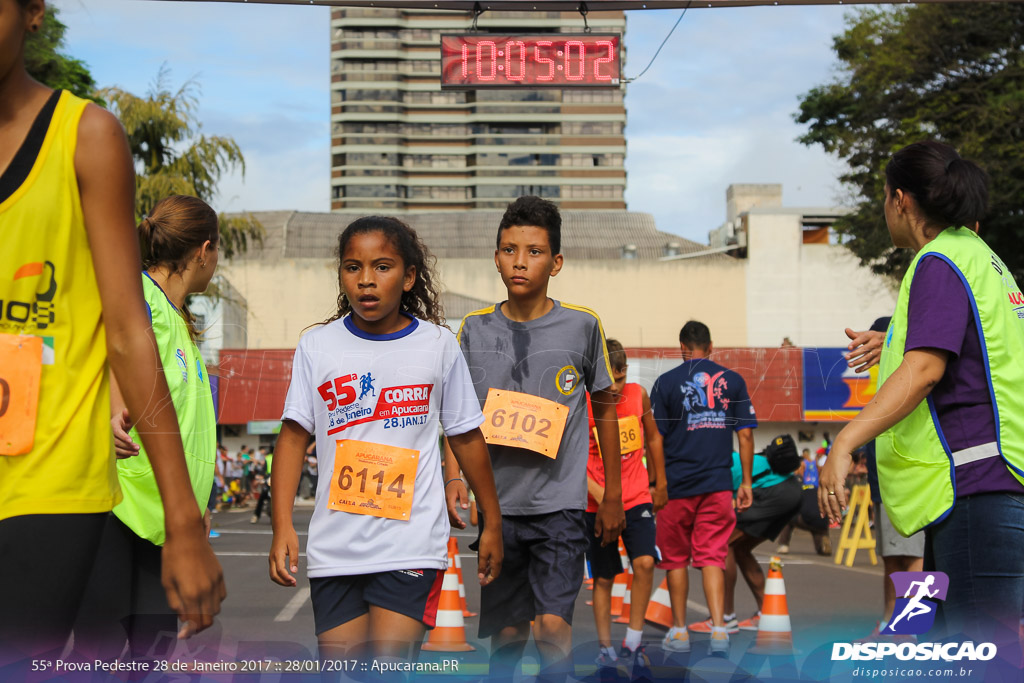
[174,286]
[521,311]
[18,92]
[394,321]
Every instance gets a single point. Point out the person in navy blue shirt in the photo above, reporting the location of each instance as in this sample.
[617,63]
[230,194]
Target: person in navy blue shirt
[697,407]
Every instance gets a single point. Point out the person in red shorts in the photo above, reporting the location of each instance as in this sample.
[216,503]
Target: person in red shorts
[697,406]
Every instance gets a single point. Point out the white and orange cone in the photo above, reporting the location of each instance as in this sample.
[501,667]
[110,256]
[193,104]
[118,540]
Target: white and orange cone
[659,609]
[623,618]
[449,633]
[453,558]
[774,631]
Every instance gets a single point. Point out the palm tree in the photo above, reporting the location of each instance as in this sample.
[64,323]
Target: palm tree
[172,156]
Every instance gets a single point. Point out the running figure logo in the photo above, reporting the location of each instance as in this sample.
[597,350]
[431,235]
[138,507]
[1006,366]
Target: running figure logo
[366,385]
[914,613]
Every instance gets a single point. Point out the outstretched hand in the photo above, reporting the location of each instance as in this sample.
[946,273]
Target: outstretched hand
[865,349]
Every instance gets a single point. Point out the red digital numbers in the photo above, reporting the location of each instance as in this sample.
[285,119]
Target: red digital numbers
[338,393]
[555,60]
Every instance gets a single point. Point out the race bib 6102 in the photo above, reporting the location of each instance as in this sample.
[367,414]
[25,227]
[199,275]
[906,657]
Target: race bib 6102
[524,421]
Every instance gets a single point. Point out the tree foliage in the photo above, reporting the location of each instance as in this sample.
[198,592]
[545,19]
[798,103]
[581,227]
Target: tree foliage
[173,156]
[45,63]
[949,72]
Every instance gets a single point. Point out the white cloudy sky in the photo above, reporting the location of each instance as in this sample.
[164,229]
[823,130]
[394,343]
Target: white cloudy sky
[715,108]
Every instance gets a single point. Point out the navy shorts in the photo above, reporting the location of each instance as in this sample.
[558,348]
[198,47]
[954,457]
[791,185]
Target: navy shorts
[638,537]
[340,599]
[542,571]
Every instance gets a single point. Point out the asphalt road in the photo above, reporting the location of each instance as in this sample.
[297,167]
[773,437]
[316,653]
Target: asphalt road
[261,620]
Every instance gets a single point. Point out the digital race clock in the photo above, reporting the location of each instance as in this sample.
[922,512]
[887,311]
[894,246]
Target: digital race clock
[554,60]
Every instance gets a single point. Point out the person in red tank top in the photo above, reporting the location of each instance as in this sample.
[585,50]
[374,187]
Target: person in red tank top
[637,434]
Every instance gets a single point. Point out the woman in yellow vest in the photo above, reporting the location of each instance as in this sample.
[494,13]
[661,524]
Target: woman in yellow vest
[124,599]
[949,414]
[69,255]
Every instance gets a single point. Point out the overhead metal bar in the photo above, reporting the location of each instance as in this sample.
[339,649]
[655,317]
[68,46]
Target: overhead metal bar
[569,5]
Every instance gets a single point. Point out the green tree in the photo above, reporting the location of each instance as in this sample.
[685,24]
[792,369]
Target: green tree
[173,156]
[949,72]
[47,64]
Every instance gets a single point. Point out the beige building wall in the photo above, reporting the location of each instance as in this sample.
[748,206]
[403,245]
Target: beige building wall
[807,292]
[641,303]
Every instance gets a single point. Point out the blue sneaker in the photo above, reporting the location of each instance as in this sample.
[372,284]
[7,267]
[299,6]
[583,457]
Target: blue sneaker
[214,533]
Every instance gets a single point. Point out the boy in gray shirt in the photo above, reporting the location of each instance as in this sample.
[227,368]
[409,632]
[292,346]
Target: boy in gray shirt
[533,360]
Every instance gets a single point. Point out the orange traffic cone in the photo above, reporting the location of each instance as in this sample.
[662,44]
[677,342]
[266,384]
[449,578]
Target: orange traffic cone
[453,558]
[774,632]
[659,609]
[449,633]
[624,617]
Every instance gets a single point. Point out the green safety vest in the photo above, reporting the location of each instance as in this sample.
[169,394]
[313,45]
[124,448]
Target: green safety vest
[142,509]
[916,469]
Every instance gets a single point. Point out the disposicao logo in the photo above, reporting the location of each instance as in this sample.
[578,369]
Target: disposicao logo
[915,611]
[914,614]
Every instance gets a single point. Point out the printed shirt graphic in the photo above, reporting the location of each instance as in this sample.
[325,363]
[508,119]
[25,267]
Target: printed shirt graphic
[559,357]
[917,594]
[697,407]
[384,389]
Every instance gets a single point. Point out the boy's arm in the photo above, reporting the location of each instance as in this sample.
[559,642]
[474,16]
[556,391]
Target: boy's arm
[470,450]
[611,519]
[288,454]
[455,494]
[655,453]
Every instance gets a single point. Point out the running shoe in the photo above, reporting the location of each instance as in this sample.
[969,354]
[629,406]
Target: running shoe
[677,642]
[719,644]
[750,624]
[214,533]
[253,519]
[604,660]
[782,549]
[635,664]
[705,626]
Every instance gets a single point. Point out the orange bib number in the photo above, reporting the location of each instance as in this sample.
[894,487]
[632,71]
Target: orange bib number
[373,479]
[21,365]
[524,421]
[629,434]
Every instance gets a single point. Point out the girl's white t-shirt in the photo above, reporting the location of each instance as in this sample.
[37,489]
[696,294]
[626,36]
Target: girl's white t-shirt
[384,389]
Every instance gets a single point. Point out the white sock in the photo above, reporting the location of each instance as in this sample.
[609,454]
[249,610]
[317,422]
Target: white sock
[609,651]
[678,631]
[632,639]
[729,617]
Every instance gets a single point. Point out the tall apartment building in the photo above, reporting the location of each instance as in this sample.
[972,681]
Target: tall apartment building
[399,143]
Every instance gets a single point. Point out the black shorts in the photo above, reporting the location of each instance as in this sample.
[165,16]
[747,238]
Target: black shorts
[638,537]
[42,580]
[771,510]
[542,571]
[340,599]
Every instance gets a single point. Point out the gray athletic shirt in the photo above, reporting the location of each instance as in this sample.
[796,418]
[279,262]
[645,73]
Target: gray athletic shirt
[550,357]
